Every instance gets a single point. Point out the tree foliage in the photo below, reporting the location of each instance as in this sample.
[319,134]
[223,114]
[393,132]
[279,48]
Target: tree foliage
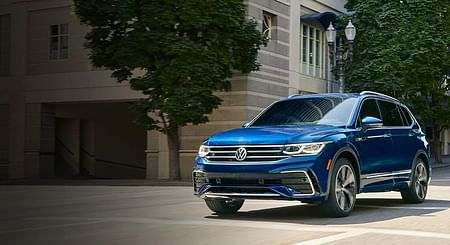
[178,53]
[402,49]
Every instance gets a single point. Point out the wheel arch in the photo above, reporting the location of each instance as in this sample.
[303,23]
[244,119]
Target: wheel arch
[421,154]
[352,156]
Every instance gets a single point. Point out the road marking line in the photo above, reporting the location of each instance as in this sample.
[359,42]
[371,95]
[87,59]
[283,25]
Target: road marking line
[331,238]
[53,226]
[403,207]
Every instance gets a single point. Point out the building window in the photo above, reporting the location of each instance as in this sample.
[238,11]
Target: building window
[312,50]
[59,41]
[268,25]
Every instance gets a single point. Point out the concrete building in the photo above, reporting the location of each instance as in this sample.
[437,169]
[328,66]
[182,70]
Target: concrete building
[60,116]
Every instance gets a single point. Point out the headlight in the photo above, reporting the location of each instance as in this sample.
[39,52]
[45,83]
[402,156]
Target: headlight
[304,149]
[203,151]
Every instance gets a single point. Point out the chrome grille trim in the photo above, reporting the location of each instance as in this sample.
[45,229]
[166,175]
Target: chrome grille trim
[255,153]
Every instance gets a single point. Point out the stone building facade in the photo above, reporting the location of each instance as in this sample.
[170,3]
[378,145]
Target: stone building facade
[60,116]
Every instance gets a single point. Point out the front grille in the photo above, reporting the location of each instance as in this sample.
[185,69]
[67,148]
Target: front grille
[237,182]
[255,153]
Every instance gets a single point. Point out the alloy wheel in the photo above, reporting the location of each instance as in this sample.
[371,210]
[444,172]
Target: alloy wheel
[421,182]
[345,188]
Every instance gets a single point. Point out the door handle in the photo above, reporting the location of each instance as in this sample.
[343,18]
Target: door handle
[378,136]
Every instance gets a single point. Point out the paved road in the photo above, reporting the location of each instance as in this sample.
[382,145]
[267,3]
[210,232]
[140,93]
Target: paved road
[172,215]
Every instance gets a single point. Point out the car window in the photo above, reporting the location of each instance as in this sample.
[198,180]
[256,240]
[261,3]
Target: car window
[369,108]
[329,111]
[390,114]
[407,120]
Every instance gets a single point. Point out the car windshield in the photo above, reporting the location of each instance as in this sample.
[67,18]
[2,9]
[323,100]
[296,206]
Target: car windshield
[326,110]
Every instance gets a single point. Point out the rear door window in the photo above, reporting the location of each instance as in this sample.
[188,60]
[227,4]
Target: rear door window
[407,120]
[390,114]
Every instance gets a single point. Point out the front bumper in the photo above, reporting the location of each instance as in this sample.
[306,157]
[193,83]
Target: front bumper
[290,185]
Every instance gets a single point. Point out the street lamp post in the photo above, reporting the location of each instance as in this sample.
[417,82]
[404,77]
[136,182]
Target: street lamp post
[337,55]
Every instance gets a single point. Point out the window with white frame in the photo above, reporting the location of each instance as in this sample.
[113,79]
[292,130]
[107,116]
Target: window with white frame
[312,51]
[269,25]
[59,42]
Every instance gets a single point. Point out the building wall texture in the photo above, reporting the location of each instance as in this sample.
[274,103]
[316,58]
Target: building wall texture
[43,99]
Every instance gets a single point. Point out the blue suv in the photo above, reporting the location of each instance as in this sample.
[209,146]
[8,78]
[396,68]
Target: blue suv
[322,148]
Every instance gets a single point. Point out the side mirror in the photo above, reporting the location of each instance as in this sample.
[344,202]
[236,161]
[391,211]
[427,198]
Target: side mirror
[245,124]
[371,122]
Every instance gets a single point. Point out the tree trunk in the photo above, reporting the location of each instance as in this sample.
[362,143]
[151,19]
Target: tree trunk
[436,149]
[173,140]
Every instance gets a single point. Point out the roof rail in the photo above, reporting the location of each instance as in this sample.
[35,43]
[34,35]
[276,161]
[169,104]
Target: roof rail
[379,94]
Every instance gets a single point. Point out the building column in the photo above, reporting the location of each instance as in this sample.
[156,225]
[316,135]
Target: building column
[39,146]
[32,140]
[16,134]
[163,157]
[47,141]
[446,139]
[16,90]
[4,131]
[294,47]
[152,155]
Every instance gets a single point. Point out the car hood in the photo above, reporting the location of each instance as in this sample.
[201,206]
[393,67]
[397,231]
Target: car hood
[273,135]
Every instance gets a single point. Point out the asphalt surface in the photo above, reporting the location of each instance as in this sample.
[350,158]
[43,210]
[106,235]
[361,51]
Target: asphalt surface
[98,214]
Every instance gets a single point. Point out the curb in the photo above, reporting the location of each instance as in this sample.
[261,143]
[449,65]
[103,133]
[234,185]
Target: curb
[442,165]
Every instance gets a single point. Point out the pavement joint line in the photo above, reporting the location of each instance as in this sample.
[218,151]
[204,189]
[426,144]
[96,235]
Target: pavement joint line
[261,225]
[332,238]
[51,227]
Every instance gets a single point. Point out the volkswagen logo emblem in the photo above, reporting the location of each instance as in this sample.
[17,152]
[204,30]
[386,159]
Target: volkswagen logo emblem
[240,154]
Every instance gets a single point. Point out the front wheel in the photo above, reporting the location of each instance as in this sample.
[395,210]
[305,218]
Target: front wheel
[342,196]
[224,206]
[417,190]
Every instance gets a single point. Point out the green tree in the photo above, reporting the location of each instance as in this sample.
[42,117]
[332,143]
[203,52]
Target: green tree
[178,53]
[402,49]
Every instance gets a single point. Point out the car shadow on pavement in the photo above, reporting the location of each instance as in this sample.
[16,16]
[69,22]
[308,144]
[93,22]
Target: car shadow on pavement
[367,210]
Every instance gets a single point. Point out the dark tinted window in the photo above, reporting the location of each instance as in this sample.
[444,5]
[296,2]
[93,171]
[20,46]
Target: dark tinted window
[407,120]
[369,108]
[330,111]
[390,114]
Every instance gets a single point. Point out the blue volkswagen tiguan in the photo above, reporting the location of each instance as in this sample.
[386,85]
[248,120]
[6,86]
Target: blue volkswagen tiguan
[322,148]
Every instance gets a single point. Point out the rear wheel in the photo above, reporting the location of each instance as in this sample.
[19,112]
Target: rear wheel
[224,206]
[418,188]
[342,195]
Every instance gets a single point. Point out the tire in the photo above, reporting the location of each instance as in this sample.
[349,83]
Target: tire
[418,188]
[343,187]
[224,206]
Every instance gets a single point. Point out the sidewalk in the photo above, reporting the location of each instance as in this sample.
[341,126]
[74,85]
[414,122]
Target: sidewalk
[445,162]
